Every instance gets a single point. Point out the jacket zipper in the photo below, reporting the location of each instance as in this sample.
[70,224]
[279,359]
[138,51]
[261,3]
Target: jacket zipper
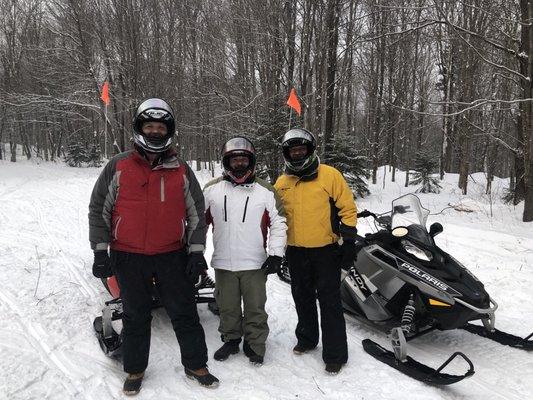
[225,212]
[162,189]
[245,207]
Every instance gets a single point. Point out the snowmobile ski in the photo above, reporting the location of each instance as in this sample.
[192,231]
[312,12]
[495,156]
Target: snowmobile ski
[416,370]
[501,337]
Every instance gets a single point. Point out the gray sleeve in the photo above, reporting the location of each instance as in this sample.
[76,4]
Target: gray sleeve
[101,206]
[195,203]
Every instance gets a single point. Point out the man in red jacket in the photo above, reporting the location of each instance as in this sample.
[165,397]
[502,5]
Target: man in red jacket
[148,209]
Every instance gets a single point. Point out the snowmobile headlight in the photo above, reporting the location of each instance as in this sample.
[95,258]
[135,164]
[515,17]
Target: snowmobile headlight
[416,251]
[400,231]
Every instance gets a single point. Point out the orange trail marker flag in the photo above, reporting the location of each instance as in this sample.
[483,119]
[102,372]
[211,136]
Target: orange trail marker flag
[293,102]
[105,93]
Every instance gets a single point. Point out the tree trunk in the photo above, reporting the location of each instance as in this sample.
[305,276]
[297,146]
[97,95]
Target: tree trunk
[527,106]
[332,27]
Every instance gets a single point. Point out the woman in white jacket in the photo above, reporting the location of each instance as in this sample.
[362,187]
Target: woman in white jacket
[249,238]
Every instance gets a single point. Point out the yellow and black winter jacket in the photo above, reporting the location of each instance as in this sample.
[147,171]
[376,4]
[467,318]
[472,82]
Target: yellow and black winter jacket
[318,211]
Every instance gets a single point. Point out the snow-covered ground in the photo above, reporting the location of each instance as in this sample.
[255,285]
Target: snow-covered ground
[49,298]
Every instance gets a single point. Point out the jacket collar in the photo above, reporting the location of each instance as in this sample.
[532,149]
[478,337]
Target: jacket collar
[167,160]
[308,174]
[249,182]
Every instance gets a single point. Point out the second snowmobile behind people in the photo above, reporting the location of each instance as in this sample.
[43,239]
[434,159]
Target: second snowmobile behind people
[243,209]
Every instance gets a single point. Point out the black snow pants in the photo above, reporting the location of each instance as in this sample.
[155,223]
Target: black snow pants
[136,274]
[315,272]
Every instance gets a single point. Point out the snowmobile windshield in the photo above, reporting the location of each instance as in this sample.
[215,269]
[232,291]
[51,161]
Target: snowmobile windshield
[407,211]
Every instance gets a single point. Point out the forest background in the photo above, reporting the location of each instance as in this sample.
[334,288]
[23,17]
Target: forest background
[445,84]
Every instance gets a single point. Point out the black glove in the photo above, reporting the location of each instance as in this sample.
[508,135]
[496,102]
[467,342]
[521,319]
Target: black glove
[196,265]
[271,265]
[348,253]
[102,264]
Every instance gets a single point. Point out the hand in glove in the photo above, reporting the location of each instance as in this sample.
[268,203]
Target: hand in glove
[102,264]
[196,265]
[271,265]
[348,253]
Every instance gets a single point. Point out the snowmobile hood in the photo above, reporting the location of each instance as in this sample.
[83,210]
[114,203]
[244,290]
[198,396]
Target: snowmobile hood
[442,278]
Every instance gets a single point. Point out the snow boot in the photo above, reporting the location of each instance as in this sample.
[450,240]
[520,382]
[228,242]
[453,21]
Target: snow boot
[254,358]
[203,377]
[300,349]
[333,368]
[228,348]
[132,384]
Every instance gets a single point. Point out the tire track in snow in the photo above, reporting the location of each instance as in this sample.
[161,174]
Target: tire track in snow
[13,189]
[35,336]
[85,288]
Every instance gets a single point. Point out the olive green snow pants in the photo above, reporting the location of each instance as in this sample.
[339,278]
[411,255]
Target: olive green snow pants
[234,323]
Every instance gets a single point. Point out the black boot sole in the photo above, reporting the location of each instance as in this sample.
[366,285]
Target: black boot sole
[132,387]
[207,381]
[227,356]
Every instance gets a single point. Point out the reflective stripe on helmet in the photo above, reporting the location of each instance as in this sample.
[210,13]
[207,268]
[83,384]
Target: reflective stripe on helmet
[153,104]
[238,144]
[298,136]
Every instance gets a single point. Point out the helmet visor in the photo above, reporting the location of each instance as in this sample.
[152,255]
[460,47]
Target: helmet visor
[238,144]
[158,107]
[297,136]
[153,144]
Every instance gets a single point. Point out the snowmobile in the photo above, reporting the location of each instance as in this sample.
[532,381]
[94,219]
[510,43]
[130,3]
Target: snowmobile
[405,286]
[107,326]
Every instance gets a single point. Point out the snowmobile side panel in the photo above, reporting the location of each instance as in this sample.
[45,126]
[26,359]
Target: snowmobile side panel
[354,288]
[415,369]
[377,255]
[504,338]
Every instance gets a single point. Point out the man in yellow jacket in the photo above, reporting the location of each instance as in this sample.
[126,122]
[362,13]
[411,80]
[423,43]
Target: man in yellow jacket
[320,209]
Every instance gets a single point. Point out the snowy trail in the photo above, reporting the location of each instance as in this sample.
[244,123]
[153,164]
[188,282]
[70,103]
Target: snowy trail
[48,349]
[86,289]
[36,337]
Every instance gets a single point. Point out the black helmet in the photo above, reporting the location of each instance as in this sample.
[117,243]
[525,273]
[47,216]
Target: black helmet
[299,137]
[153,110]
[238,146]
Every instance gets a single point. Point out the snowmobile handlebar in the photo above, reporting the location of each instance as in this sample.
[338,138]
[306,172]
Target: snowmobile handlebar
[382,219]
[365,214]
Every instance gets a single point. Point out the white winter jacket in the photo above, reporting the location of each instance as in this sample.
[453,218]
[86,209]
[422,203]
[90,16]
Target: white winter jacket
[241,216]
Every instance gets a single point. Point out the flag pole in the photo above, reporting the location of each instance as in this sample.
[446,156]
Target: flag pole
[105,130]
[290,118]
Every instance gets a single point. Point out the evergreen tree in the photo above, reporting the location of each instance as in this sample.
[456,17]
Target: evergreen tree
[347,160]
[76,154]
[94,156]
[273,123]
[509,195]
[425,165]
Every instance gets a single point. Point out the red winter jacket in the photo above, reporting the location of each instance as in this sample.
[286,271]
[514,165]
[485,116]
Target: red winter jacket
[149,210]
